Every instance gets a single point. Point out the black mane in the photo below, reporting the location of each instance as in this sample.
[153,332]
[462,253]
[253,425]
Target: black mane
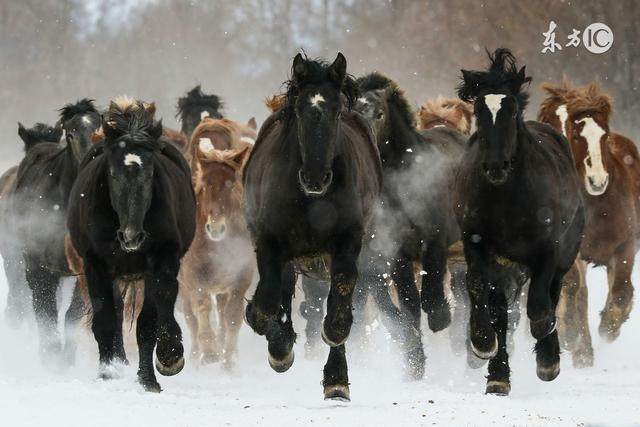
[317,72]
[45,133]
[502,75]
[396,96]
[83,106]
[195,98]
[134,121]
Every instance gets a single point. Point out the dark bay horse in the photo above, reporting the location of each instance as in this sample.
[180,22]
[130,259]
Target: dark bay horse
[194,106]
[518,203]
[18,298]
[416,222]
[609,165]
[310,185]
[220,262]
[131,217]
[38,214]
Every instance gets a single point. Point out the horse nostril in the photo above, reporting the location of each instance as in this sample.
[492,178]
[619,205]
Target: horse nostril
[327,178]
[222,228]
[302,176]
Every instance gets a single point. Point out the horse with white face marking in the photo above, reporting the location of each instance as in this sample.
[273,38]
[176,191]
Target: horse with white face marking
[609,165]
[220,262]
[518,205]
[132,217]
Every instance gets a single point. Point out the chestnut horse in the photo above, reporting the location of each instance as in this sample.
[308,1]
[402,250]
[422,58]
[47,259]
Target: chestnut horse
[609,165]
[220,260]
[448,112]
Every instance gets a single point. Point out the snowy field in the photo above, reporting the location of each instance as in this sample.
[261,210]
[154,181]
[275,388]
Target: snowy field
[450,393]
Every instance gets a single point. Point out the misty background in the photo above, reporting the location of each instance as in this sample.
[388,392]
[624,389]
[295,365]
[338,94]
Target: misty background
[55,51]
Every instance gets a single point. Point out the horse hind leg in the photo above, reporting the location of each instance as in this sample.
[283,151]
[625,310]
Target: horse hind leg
[620,297]
[336,378]
[312,309]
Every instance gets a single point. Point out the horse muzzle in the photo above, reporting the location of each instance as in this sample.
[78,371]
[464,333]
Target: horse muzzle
[131,240]
[315,187]
[596,185]
[496,174]
[216,230]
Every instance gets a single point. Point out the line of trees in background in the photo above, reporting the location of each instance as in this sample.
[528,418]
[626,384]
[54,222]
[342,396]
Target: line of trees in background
[55,51]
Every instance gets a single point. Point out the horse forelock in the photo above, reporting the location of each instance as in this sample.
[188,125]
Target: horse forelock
[81,107]
[590,99]
[502,76]
[196,99]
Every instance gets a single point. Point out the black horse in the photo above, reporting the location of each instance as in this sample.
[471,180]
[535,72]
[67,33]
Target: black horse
[416,222]
[518,203]
[195,106]
[310,185]
[38,213]
[132,216]
[18,298]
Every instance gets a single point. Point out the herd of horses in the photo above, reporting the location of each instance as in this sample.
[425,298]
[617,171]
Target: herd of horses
[344,187]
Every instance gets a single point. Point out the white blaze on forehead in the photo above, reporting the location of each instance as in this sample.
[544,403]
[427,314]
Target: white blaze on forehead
[205,145]
[494,102]
[86,120]
[363,100]
[316,100]
[132,159]
[562,114]
[203,114]
[594,167]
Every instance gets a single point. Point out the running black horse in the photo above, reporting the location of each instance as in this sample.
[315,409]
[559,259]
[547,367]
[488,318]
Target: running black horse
[195,106]
[518,203]
[132,216]
[18,298]
[416,222]
[310,185]
[38,212]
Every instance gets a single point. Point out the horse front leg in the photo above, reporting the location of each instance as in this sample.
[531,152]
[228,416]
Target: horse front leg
[146,335]
[540,308]
[161,286]
[344,274]
[482,337]
[409,299]
[434,265]
[336,376]
[547,348]
[620,297]
[104,319]
[498,381]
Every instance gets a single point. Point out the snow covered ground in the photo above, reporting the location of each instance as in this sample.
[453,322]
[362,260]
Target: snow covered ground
[450,394]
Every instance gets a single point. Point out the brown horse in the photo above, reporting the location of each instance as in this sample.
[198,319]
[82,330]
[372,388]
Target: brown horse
[220,260]
[609,165]
[448,112]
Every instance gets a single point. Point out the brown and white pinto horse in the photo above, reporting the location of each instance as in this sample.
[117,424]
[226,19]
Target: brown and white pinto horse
[609,165]
[220,260]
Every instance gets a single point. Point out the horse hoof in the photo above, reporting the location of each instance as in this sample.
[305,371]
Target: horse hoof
[473,361]
[282,365]
[171,370]
[338,392]
[582,359]
[487,353]
[548,373]
[414,366]
[498,388]
[609,334]
[542,327]
[151,386]
[333,342]
[439,317]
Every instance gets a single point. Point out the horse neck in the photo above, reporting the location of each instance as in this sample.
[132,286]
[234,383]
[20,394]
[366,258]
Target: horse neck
[68,171]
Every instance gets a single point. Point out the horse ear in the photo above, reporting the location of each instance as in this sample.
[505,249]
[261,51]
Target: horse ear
[252,123]
[338,70]
[299,68]
[522,79]
[150,107]
[469,82]
[23,133]
[156,130]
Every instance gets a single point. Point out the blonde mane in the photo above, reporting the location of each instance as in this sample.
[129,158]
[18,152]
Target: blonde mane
[455,112]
